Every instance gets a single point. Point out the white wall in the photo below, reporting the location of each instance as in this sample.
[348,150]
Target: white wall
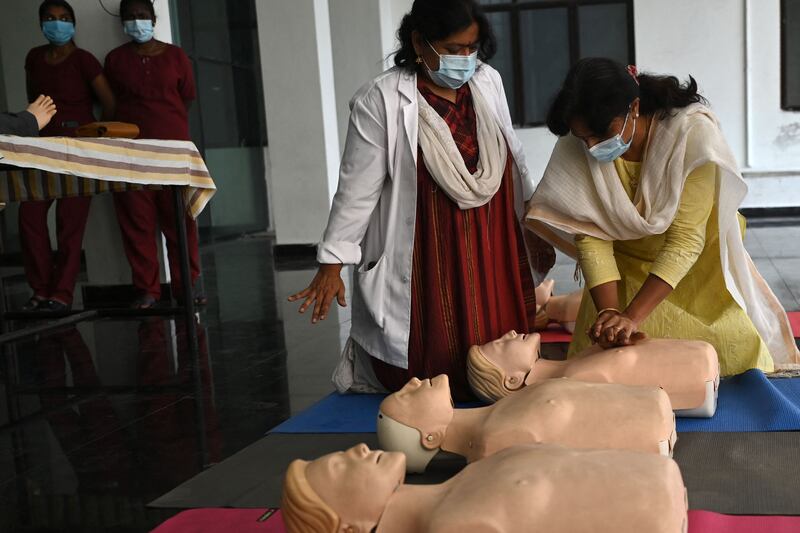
[704,39]
[775,139]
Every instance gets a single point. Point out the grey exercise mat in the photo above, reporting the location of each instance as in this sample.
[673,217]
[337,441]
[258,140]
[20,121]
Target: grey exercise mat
[741,473]
[252,478]
[732,473]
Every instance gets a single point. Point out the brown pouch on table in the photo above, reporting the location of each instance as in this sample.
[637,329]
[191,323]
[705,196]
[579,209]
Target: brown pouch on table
[108,129]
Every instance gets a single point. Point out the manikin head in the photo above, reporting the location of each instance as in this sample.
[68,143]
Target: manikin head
[414,420]
[342,492]
[500,367]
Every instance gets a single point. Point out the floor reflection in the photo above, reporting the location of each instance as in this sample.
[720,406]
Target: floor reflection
[99,419]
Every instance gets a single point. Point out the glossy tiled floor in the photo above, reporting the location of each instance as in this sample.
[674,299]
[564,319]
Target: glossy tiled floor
[99,419]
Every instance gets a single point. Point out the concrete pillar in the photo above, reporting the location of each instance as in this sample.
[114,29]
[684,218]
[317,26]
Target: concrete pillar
[359,56]
[300,103]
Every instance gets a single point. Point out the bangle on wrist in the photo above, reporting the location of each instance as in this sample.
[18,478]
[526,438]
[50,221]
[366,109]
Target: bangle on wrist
[606,309]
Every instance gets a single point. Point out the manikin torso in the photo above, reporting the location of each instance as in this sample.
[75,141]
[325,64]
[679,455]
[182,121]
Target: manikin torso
[521,489]
[680,367]
[559,411]
[570,413]
[683,368]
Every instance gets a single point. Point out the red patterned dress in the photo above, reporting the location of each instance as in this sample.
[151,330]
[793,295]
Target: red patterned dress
[471,281]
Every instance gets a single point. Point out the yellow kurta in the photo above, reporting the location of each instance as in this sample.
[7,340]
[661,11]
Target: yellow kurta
[687,257]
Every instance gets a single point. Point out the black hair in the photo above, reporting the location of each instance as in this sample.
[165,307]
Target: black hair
[55,3]
[126,5]
[438,19]
[598,89]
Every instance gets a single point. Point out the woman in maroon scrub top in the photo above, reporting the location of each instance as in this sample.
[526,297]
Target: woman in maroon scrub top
[154,85]
[73,78]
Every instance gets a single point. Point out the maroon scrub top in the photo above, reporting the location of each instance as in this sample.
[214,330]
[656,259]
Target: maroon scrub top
[152,91]
[69,84]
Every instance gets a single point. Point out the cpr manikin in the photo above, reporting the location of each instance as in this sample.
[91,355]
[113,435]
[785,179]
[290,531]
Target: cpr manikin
[562,308]
[521,489]
[687,370]
[419,420]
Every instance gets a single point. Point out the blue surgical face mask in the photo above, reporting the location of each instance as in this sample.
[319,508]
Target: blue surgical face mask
[454,71]
[58,32]
[140,30]
[612,148]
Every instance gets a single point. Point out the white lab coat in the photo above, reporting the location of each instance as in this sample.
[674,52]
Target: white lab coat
[372,219]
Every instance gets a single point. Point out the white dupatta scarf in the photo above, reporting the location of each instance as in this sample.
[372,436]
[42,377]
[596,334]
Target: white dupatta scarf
[580,196]
[445,162]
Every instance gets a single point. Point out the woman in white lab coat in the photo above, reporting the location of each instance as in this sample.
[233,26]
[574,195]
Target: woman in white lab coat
[431,190]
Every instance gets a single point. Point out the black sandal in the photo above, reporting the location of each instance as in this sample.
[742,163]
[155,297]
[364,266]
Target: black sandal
[34,304]
[55,306]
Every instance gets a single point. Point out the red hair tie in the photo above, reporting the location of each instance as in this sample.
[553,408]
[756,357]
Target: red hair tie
[634,72]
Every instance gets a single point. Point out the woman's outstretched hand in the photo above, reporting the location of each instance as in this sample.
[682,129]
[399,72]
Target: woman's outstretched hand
[43,109]
[326,285]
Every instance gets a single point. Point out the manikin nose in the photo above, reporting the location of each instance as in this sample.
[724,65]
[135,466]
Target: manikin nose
[362,450]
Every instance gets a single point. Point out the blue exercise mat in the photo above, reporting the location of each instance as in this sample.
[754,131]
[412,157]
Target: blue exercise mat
[341,413]
[336,413]
[748,402]
[751,402]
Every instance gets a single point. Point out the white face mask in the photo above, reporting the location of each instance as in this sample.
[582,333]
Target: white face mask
[454,70]
[612,148]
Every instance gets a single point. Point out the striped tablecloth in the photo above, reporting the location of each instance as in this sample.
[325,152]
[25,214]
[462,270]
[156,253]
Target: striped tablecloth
[56,167]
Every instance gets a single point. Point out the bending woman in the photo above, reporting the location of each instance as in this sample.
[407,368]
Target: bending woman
[431,193]
[644,180]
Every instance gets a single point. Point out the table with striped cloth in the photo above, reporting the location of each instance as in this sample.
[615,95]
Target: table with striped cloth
[57,167]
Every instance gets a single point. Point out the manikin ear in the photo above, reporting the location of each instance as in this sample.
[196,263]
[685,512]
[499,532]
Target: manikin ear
[433,440]
[515,381]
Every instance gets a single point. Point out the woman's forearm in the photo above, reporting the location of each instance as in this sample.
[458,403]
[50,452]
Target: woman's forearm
[605,296]
[653,292]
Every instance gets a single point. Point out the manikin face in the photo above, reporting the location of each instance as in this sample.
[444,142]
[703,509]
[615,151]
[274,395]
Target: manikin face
[420,395]
[425,405]
[358,483]
[515,354]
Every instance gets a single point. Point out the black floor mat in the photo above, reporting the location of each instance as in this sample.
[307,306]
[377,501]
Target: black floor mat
[732,473]
[741,473]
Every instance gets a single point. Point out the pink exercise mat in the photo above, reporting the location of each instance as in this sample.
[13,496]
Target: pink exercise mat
[555,333]
[794,320]
[224,521]
[260,521]
[708,522]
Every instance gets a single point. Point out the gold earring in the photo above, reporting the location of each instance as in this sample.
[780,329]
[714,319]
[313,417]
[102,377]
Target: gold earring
[419,60]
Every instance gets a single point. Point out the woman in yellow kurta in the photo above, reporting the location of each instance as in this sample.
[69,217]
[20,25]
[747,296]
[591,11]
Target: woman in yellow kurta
[644,182]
